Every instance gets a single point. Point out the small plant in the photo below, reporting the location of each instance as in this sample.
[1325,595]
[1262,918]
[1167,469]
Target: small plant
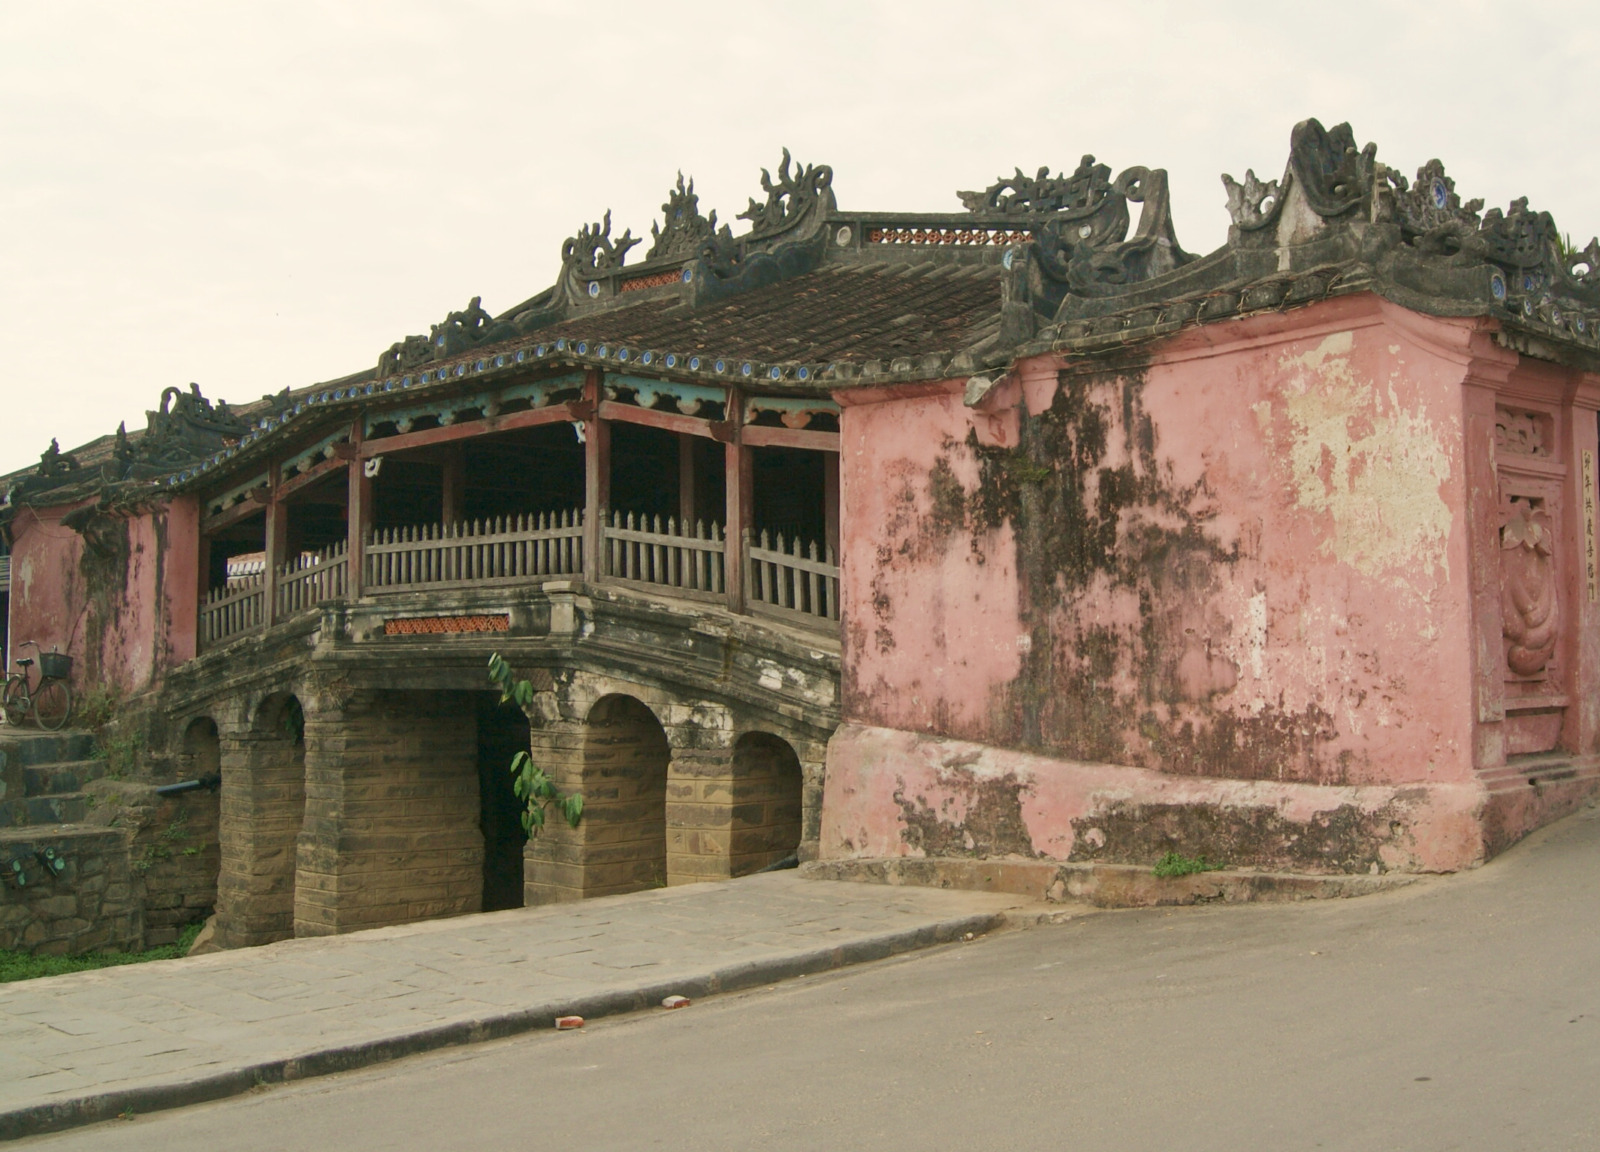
[1177,864]
[533,787]
[120,750]
[23,966]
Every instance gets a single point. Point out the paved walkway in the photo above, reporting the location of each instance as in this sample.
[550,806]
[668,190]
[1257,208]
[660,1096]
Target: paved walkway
[88,1046]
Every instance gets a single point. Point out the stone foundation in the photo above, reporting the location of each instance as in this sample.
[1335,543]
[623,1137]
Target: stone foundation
[391,826]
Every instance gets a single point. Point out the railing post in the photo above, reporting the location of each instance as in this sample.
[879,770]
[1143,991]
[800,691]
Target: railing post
[272,550]
[597,478]
[740,487]
[360,517]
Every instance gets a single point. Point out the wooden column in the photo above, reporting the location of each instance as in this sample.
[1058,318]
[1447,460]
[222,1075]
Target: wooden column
[740,484]
[453,468]
[830,502]
[273,548]
[686,505]
[360,517]
[597,478]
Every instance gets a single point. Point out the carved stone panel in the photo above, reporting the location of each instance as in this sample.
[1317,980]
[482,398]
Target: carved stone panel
[1530,609]
[1520,432]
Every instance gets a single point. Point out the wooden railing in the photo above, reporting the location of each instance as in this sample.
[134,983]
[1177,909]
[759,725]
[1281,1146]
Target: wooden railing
[502,550]
[796,582]
[237,607]
[787,579]
[657,551]
[311,578]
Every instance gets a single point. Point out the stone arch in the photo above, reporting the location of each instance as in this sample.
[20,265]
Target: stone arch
[200,749]
[767,802]
[626,756]
[183,888]
[263,800]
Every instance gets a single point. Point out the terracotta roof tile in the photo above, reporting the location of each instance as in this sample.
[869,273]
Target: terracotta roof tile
[856,312]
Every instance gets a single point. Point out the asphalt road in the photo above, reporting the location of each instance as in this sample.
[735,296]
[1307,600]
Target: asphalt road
[1462,1013]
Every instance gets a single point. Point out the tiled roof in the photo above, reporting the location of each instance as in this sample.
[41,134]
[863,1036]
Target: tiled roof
[841,311]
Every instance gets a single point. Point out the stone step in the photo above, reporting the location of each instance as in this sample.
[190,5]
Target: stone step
[23,747]
[60,808]
[67,776]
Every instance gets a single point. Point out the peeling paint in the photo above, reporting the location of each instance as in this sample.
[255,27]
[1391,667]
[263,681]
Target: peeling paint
[1371,464]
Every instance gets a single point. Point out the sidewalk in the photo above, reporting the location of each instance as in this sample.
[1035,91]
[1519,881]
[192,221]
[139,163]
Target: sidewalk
[85,1047]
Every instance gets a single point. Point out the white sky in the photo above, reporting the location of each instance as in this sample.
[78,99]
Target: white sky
[254,195]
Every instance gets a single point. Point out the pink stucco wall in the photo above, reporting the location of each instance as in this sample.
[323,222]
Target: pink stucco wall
[1250,555]
[120,600]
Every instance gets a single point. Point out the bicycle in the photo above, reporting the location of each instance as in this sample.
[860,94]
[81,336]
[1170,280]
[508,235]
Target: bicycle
[50,700]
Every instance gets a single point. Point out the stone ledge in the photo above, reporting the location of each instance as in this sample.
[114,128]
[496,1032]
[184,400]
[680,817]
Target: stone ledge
[1103,885]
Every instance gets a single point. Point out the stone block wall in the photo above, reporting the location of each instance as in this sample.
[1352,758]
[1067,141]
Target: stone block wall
[176,857]
[92,904]
[263,805]
[391,831]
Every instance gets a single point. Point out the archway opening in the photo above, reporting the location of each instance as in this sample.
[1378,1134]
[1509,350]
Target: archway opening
[502,733]
[625,757]
[263,806]
[767,800]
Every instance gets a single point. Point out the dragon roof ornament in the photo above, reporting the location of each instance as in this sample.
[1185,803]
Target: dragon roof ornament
[682,230]
[1082,192]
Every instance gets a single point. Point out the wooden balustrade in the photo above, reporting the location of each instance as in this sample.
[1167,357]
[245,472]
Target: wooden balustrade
[232,610]
[655,551]
[499,550]
[795,582]
[310,578]
[787,579]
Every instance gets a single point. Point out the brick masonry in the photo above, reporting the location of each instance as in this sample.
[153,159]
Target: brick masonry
[263,806]
[391,829]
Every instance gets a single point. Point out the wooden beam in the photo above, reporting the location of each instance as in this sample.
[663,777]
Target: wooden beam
[596,477]
[510,422]
[686,505]
[228,517]
[741,491]
[650,418]
[453,479]
[360,518]
[760,436]
[292,485]
[830,502]
[273,549]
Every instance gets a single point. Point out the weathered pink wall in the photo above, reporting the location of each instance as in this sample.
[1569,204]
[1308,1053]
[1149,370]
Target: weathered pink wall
[1248,556]
[121,601]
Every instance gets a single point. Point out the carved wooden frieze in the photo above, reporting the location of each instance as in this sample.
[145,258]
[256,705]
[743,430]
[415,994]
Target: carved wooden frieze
[1529,605]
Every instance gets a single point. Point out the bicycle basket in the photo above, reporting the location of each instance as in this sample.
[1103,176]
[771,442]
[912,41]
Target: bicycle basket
[56,665]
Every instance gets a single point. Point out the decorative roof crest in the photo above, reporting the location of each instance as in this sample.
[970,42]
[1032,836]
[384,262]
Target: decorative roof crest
[683,229]
[790,199]
[592,252]
[1253,204]
[1081,193]
[1430,207]
[1333,176]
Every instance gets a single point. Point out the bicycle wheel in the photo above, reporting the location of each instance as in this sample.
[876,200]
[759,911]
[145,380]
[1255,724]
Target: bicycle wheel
[53,705]
[15,702]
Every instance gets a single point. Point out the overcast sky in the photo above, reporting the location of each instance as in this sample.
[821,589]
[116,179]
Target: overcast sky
[259,195]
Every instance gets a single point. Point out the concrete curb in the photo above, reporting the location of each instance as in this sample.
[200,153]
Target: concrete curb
[92,1108]
[1104,885]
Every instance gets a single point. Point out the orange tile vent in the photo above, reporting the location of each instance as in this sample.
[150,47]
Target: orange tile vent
[653,281]
[445,625]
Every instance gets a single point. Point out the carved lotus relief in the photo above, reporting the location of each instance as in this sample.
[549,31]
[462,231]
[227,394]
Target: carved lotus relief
[1528,605]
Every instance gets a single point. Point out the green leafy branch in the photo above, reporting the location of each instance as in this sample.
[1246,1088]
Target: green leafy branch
[533,787]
